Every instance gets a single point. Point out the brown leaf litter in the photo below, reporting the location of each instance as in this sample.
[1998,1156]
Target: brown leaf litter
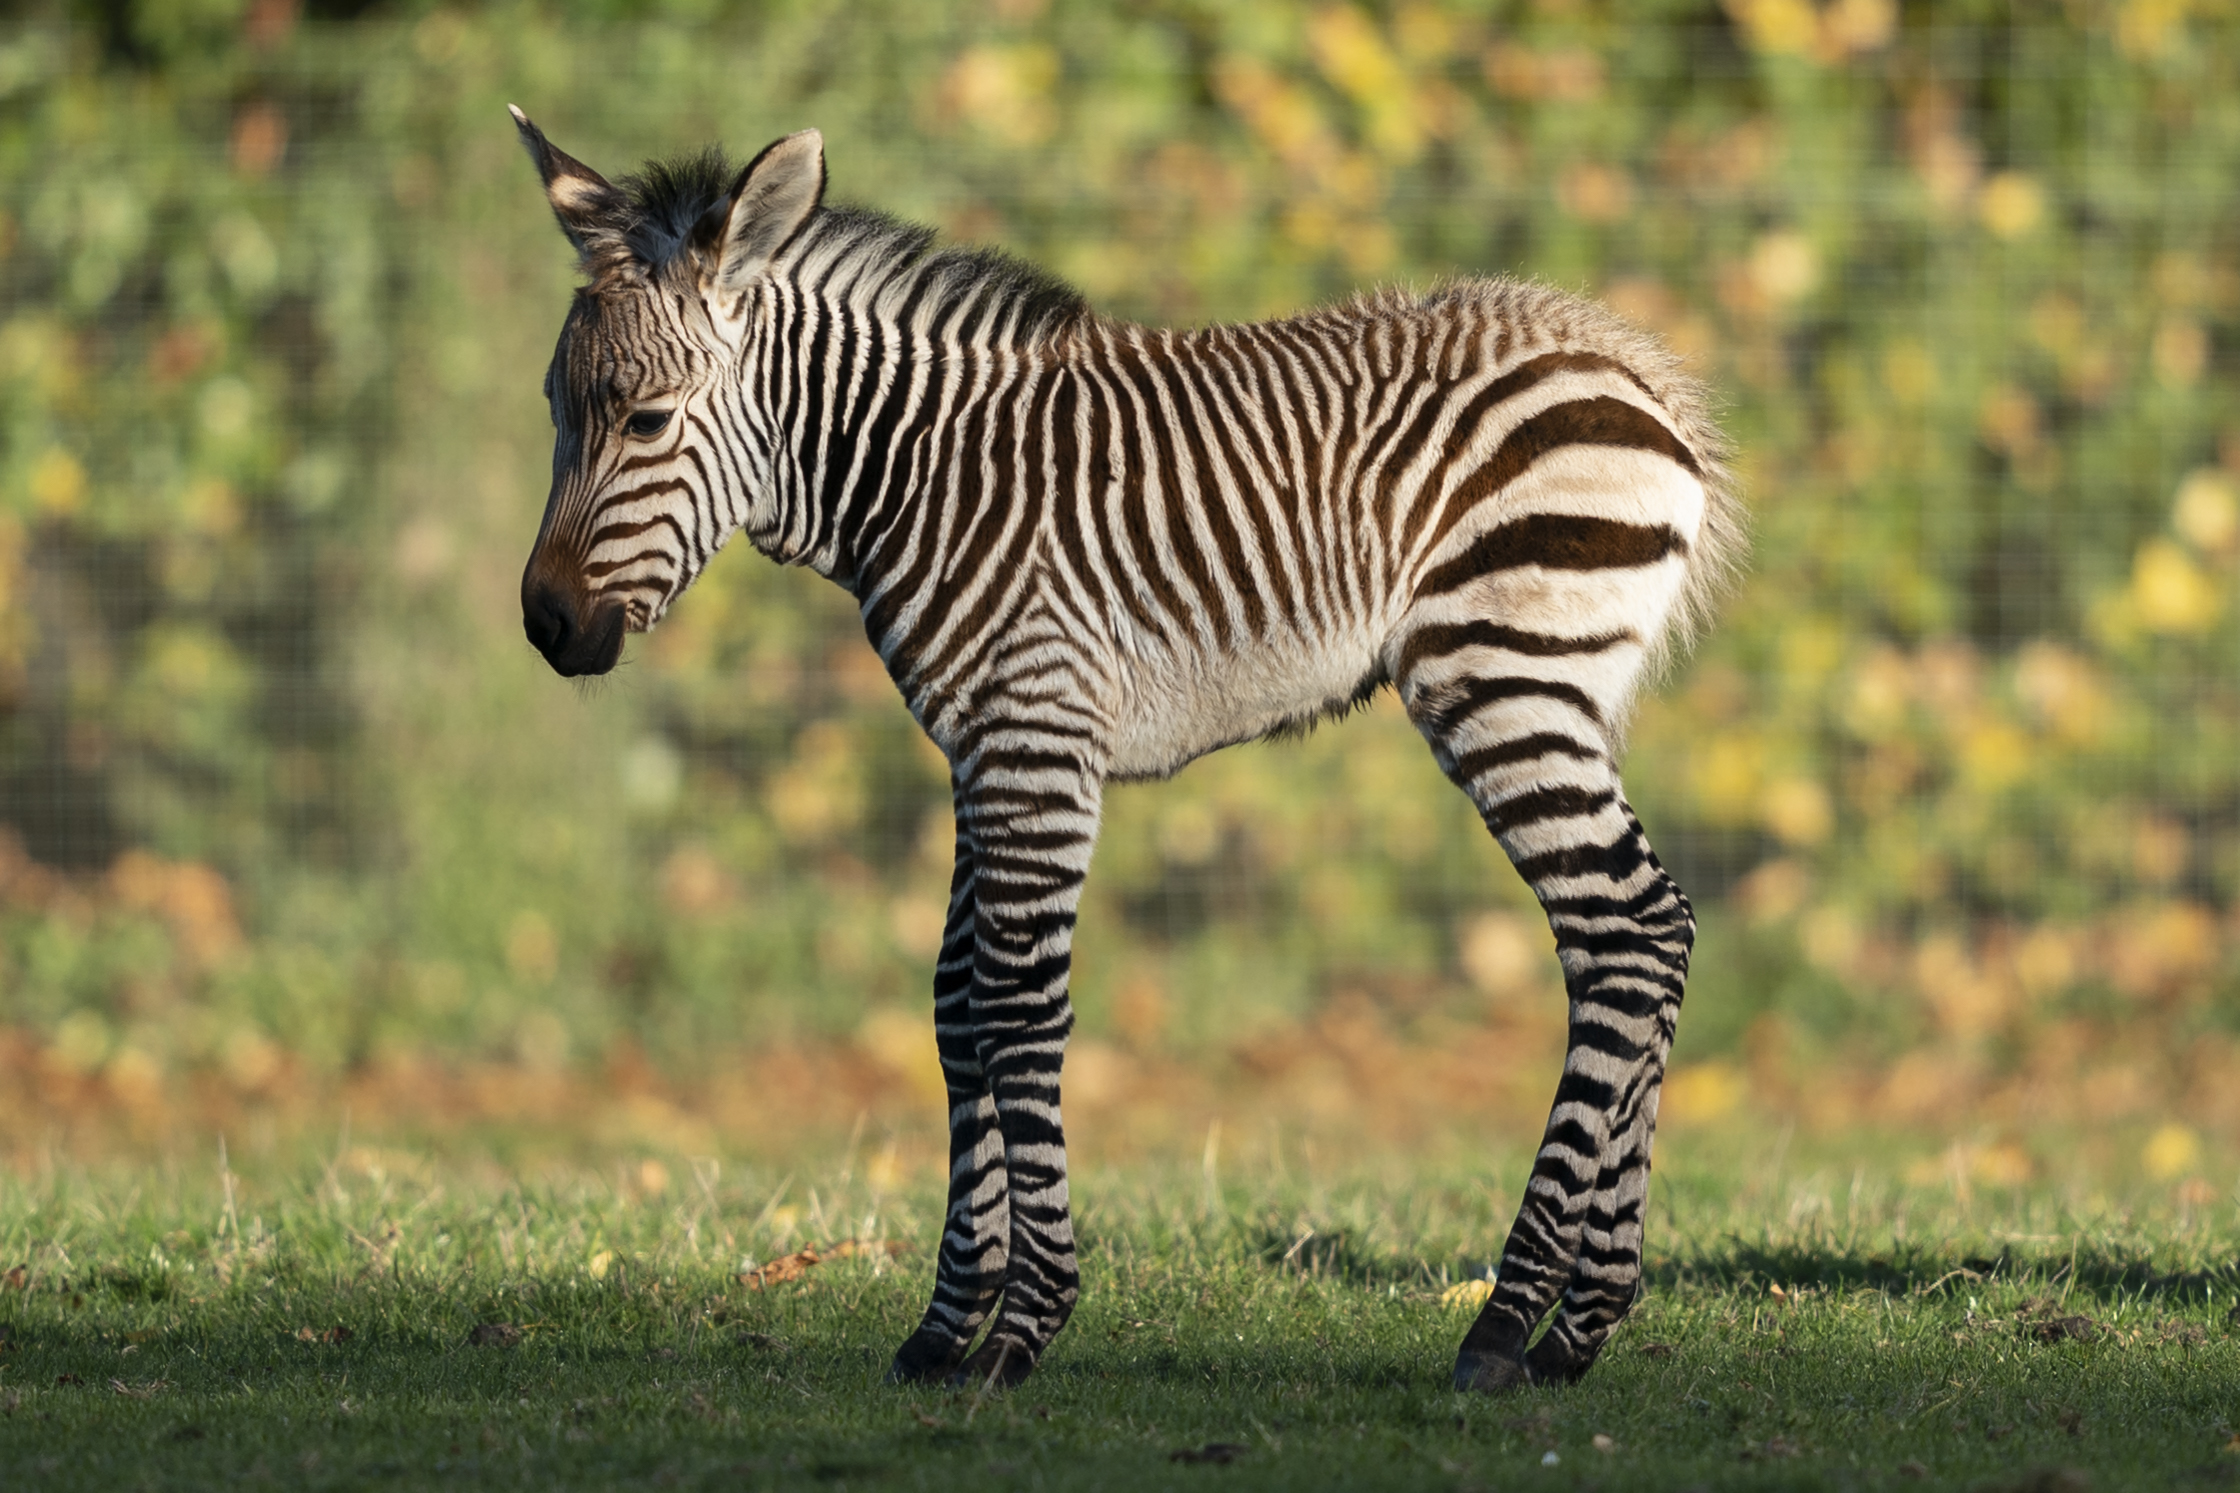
[2043,1321]
[1220,1453]
[794,1266]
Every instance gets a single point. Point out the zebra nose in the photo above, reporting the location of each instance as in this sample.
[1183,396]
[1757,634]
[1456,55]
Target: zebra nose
[575,633]
[548,618]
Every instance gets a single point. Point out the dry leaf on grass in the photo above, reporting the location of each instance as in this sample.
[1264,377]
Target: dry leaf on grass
[1217,1452]
[794,1266]
[145,1391]
[494,1335]
[335,1334]
[1655,1350]
[64,1381]
[2042,1319]
[2048,1480]
[2063,1329]
[16,1279]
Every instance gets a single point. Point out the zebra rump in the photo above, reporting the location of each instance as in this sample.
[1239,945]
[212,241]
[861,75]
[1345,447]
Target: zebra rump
[1090,551]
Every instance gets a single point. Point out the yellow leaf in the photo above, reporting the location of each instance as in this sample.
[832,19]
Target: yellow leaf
[2012,204]
[2207,512]
[1702,1091]
[1469,1293]
[58,483]
[2169,590]
[2171,1151]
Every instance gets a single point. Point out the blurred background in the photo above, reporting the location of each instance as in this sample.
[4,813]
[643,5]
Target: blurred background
[296,831]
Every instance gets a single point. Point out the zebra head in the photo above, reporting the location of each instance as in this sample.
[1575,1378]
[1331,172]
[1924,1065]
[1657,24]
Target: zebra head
[656,461]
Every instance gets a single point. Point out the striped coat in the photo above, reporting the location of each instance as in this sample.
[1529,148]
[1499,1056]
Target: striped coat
[1089,551]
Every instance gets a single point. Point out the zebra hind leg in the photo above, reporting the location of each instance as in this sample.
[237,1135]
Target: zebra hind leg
[976,1231]
[1606,1272]
[1624,933]
[1532,752]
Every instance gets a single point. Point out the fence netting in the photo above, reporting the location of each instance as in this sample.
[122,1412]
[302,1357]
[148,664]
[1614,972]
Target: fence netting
[289,809]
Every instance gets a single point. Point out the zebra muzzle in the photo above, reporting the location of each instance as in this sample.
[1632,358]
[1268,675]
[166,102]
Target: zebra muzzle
[575,635]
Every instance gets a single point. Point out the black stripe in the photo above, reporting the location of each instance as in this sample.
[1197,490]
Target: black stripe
[1440,639]
[1555,541]
[1458,703]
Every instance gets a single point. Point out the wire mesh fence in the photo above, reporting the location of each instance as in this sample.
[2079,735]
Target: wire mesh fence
[1954,782]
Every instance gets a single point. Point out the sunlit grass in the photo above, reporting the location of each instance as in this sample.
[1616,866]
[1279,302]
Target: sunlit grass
[1802,1327]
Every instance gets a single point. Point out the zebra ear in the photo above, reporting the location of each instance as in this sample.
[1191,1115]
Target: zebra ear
[581,198]
[773,197]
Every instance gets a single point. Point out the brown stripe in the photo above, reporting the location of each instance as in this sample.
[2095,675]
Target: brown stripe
[1139,368]
[1526,375]
[605,568]
[885,614]
[1196,405]
[1599,421]
[1541,804]
[1441,639]
[1472,765]
[1071,489]
[1555,541]
[970,501]
[1243,405]
[1288,361]
[1099,482]
[1445,709]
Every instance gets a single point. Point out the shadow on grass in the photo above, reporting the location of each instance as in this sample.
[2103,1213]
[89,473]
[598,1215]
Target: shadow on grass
[1924,1270]
[1733,1261]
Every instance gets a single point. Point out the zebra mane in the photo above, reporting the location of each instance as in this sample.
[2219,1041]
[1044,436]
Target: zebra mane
[877,264]
[660,205]
[890,269]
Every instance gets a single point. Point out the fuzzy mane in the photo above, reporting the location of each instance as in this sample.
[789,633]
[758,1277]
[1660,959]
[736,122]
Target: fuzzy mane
[876,262]
[661,203]
[885,266]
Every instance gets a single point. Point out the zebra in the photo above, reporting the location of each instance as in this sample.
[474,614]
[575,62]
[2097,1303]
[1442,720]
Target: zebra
[1088,552]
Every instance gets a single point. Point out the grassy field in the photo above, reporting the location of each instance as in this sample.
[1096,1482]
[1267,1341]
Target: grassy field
[385,1319]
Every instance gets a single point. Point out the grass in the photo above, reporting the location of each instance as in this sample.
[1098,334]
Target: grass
[177,1331]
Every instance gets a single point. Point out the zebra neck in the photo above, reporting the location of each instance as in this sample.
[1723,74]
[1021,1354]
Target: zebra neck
[891,430]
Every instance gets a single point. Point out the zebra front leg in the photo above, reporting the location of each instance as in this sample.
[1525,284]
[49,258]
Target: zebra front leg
[976,1232]
[1032,818]
[1624,933]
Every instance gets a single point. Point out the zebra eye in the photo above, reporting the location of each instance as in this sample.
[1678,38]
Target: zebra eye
[647,422]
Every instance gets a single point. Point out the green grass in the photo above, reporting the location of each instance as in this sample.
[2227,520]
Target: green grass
[160,1338]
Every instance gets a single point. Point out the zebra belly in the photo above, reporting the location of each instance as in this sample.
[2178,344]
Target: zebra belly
[1178,710]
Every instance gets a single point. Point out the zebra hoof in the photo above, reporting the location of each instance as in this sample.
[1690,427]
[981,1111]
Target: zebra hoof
[1000,1363]
[1477,1372]
[927,1358]
[1555,1362]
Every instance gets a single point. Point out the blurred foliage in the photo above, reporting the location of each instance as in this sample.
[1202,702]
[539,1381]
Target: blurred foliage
[1956,783]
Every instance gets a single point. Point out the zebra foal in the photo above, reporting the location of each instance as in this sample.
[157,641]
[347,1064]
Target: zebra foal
[1089,552]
